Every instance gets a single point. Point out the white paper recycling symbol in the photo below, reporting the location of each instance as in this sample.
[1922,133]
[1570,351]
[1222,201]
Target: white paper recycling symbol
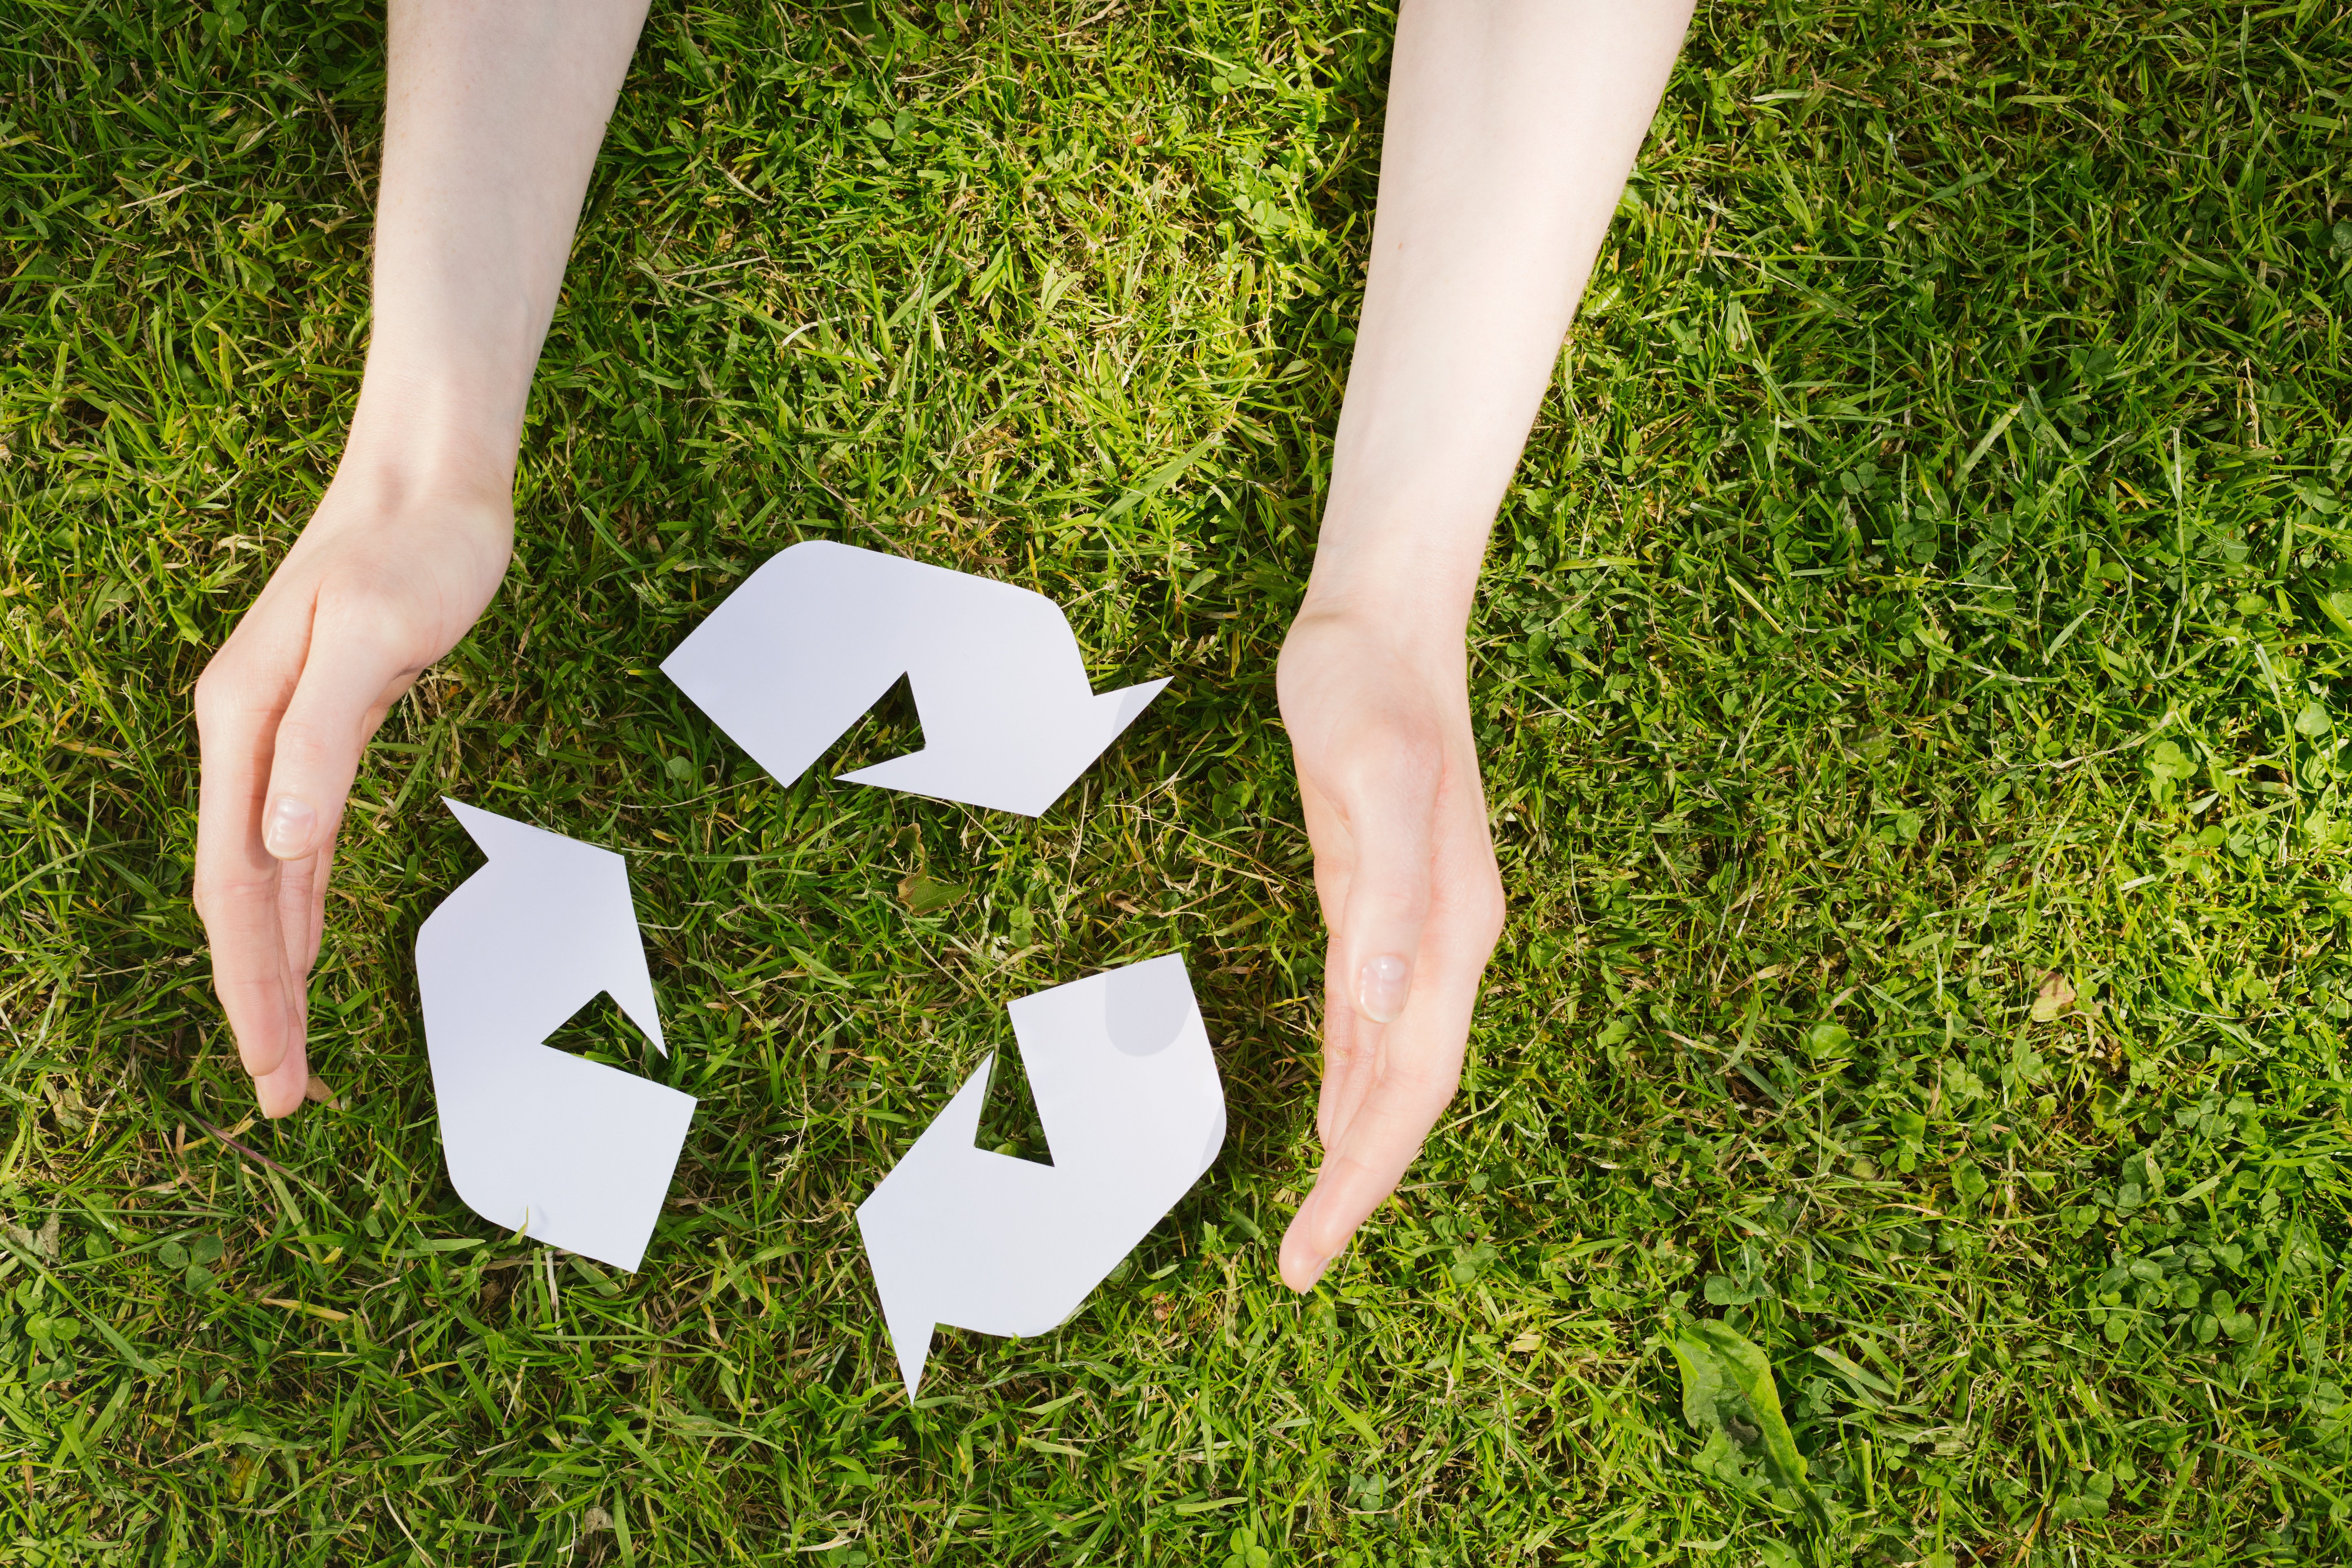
[817,635]
[579,1155]
[1126,1090]
[568,1151]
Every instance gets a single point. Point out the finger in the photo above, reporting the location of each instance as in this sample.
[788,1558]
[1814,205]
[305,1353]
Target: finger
[301,923]
[302,905]
[279,1090]
[1350,1047]
[1376,942]
[1385,1134]
[1418,1062]
[260,997]
[1348,1041]
[239,701]
[1392,810]
[350,680]
[1335,850]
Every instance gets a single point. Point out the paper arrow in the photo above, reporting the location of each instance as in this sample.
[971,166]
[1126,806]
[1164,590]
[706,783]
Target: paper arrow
[1127,1093]
[817,635]
[571,1151]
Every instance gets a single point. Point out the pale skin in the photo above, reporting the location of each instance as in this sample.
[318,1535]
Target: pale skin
[1511,127]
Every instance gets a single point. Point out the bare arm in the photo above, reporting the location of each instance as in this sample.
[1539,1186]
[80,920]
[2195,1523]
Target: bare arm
[494,112]
[1511,127]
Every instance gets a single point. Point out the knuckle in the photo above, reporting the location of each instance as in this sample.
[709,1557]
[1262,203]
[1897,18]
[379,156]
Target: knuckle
[1428,1084]
[1489,912]
[1340,1050]
[1470,896]
[225,691]
[216,895]
[304,741]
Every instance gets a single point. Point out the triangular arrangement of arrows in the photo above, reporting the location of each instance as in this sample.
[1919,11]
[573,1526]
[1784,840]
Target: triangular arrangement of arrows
[579,1155]
[815,636]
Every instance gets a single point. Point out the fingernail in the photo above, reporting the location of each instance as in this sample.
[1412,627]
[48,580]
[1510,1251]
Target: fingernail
[1295,1247]
[286,834]
[1382,988]
[1313,1263]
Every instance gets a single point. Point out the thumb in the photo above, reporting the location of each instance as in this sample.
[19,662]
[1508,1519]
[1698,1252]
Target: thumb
[1392,821]
[348,681]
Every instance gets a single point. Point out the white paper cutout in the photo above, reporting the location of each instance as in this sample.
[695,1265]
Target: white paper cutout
[575,1154]
[817,635]
[1127,1092]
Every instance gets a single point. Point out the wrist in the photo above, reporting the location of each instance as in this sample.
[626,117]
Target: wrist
[1417,579]
[421,440]
[1433,645]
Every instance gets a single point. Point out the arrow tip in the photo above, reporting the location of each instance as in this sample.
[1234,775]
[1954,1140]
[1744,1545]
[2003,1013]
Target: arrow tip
[1129,701]
[488,830]
[583,879]
[898,1223]
[503,838]
[911,1341]
[899,1281]
[1025,772]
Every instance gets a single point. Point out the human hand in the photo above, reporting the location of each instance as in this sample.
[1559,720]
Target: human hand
[1404,869]
[384,581]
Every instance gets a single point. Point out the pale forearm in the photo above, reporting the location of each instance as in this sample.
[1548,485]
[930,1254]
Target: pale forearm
[494,110]
[1511,127]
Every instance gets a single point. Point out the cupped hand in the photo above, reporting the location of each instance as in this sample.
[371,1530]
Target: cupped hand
[384,581]
[1404,869]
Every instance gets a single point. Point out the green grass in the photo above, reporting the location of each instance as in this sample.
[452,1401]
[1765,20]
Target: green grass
[1931,577]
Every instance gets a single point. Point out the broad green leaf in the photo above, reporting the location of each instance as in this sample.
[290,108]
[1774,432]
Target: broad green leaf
[1728,1388]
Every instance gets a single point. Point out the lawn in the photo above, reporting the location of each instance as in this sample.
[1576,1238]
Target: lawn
[1906,676]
